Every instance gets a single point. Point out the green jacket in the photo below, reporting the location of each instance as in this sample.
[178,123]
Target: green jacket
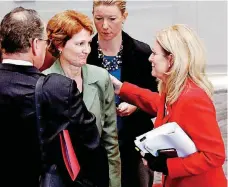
[98,95]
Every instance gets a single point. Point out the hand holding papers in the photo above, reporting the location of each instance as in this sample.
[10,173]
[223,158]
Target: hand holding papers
[167,136]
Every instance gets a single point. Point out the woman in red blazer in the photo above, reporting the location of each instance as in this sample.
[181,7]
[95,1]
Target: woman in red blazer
[178,61]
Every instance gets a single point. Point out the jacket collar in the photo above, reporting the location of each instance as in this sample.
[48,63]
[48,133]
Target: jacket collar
[17,62]
[127,41]
[56,67]
[88,76]
[163,117]
[89,91]
[20,68]
[164,111]
[128,57]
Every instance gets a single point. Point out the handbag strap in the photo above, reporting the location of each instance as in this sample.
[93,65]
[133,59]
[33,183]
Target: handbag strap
[39,120]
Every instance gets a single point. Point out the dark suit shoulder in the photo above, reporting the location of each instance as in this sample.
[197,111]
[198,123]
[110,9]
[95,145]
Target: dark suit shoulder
[55,79]
[142,47]
[58,86]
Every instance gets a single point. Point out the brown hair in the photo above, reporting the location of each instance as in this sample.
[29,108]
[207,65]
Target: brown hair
[18,28]
[63,26]
[121,4]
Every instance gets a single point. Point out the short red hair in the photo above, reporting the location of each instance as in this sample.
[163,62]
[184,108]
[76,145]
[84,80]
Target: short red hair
[63,26]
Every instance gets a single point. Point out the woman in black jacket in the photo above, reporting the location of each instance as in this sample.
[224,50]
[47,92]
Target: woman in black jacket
[126,59]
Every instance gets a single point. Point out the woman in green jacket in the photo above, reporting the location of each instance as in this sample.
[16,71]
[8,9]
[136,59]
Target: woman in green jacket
[70,34]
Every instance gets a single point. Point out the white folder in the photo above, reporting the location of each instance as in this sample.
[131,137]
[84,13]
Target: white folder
[169,135]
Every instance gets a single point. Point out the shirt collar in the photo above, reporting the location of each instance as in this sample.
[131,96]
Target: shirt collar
[17,62]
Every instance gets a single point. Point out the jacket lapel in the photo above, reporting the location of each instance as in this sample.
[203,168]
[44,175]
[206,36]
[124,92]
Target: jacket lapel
[128,56]
[168,115]
[56,67]
[89,91]
[164,112]
[93,56]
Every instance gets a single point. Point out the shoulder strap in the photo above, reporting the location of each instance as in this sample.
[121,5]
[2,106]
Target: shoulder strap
[39,123]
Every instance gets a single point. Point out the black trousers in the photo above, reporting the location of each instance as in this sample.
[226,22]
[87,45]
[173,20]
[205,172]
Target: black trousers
[134,173]
[94,170]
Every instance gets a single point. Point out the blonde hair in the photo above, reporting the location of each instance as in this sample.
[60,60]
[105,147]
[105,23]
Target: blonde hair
[121,4]
[189,61]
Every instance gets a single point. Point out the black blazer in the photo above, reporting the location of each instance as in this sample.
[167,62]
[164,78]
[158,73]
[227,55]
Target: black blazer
[62,108]
[136,69]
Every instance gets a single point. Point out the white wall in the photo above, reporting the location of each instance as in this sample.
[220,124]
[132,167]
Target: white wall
[208,18]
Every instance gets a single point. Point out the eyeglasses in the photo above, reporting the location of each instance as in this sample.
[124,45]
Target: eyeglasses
[48,41]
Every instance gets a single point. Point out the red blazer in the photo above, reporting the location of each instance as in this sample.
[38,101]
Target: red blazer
[195,113]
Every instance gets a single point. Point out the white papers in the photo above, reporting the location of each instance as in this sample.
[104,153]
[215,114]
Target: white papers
[167,136]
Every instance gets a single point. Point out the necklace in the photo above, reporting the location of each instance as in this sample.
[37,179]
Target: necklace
[114,63]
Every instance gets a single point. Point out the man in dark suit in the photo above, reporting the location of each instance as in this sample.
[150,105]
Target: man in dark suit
[23,43]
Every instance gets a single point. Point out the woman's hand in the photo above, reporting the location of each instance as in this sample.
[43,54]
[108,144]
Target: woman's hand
[116,84]
[125,109]
[155,163]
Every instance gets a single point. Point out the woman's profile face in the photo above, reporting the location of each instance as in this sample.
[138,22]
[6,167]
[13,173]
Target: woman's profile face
[159,61]
[77,49]
[108,21]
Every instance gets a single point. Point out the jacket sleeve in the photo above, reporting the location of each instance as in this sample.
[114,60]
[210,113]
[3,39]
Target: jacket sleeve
[143,98]
[109,136]
[65,109]
[83,123]
[198,120]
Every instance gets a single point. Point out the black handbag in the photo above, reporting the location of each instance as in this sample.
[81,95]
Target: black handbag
[50,176]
